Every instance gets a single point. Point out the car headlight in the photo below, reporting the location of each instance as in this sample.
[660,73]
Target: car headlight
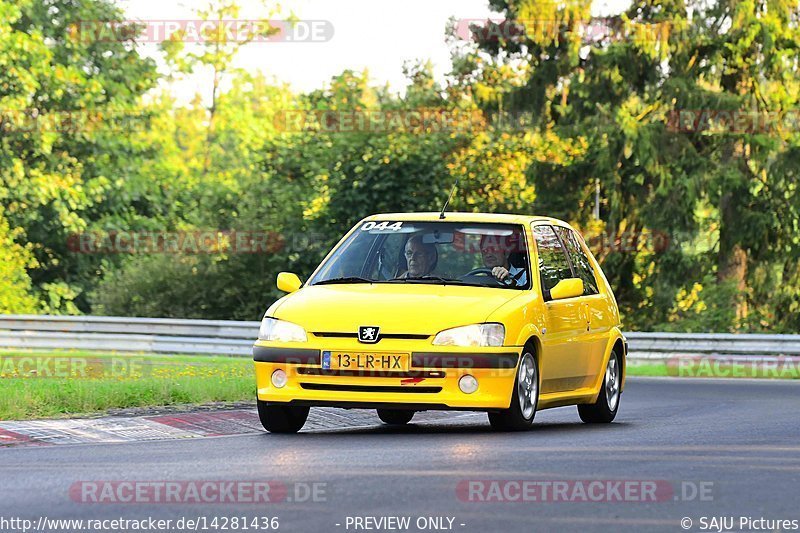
[475,335]
[273,329]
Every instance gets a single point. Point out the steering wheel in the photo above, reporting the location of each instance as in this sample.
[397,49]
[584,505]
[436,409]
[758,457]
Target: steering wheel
[488,272]
[479,272]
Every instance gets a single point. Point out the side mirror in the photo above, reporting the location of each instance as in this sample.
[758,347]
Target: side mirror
[567,288]
[288,282]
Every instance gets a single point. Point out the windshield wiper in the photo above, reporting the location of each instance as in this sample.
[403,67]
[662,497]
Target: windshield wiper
[347,279]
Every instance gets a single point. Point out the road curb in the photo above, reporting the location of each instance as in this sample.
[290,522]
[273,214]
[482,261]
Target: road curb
[182,425]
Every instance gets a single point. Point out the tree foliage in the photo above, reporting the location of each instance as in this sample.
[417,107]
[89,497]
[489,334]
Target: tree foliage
[624,95]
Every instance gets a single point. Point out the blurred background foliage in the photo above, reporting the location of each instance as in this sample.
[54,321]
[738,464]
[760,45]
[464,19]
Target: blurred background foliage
[696,230]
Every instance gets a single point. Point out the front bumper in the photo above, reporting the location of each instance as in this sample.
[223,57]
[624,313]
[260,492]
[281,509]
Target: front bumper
[430,383]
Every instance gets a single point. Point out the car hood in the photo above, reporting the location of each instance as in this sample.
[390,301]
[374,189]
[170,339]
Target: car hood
[396,308]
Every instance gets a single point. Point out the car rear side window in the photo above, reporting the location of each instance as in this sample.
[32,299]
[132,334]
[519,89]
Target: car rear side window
[580,261]
[553,263]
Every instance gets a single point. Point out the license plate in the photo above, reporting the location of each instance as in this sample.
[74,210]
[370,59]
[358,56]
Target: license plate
[365,361]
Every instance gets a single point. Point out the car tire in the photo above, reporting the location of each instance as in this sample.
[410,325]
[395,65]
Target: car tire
[395,417]
[277,418]
[524,400]
[604,410]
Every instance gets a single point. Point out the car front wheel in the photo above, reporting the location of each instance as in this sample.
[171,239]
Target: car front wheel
[519,416]
[604,410]
[277,418]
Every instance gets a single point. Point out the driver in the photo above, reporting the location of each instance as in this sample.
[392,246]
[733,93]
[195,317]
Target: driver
[495,252]
[421,257]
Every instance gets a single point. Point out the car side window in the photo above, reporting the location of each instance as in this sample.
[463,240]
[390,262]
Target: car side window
[583,267]
[553,263]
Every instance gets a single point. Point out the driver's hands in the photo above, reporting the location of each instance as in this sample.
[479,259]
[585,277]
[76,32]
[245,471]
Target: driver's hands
[500,273]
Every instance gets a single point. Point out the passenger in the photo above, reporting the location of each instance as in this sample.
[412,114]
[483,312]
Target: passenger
[421,257]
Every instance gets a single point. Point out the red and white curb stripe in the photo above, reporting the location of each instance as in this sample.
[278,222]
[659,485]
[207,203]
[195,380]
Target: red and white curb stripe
[187,425]
[128,429]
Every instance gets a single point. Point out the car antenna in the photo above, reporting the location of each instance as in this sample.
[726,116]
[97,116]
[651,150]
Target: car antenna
[452,192]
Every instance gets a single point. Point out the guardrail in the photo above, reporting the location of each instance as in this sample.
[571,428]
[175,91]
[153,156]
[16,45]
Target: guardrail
[645,345]
[149,335]
[222,337]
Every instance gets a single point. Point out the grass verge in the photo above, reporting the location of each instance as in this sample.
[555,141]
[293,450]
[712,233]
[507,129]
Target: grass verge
[71,383]
[785,368]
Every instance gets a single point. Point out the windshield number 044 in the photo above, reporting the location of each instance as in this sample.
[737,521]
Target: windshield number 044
[382,226]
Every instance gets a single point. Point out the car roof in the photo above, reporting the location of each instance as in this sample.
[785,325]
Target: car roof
[497,218]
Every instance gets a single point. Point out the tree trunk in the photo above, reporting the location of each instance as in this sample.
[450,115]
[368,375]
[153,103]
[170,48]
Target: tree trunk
[211,119]
[732,258]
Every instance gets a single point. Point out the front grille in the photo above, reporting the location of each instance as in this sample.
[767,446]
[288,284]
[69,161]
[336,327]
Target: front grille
[346,335]
[370,373]
[370,388]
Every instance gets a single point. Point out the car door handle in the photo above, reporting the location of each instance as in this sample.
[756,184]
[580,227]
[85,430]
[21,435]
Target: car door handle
[587,315]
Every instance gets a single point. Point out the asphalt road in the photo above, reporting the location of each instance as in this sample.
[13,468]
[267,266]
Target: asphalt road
[712,448]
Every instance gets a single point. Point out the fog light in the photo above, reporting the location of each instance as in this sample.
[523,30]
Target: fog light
[279,379]
[468,384]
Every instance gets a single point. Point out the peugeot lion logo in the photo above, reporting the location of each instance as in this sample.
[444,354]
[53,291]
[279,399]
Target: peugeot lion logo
[368,334]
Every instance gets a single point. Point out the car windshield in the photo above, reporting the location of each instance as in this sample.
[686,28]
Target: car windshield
[444,253]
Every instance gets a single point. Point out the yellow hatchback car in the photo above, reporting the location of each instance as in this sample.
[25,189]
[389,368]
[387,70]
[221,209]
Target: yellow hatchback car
[425,311]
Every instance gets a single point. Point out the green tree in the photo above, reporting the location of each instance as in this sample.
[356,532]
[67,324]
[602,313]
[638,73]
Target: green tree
[620,94]
[63,94]
[15,285]
[216,49]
